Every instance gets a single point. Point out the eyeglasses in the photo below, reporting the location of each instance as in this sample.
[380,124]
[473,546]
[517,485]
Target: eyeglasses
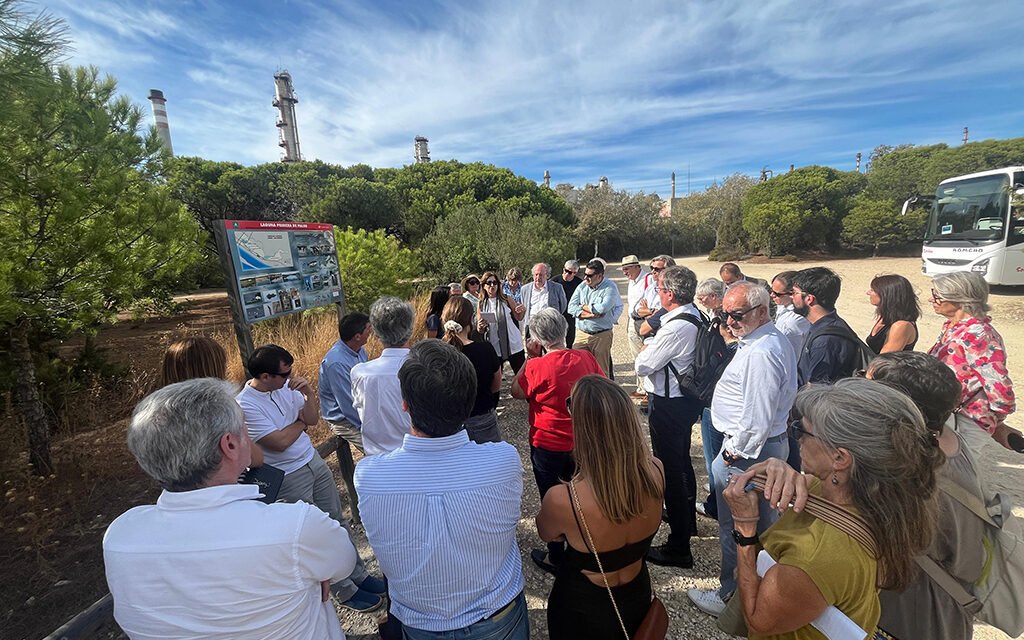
[739,315]
[936,298]
[796,428]
[491,283]
[778,294]
[282,374]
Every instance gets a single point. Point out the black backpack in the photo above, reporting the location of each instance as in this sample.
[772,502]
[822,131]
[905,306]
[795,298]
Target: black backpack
[863,356]
[710,356]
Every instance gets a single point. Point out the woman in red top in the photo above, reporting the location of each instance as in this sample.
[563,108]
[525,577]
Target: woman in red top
[546,381]
[974,350]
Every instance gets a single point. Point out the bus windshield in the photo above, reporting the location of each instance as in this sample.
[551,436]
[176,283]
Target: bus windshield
[973,209]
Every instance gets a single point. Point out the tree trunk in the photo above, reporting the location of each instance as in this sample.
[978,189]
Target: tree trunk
[28,408]
[595,248]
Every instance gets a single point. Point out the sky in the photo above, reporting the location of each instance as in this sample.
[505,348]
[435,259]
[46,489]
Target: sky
[629,90]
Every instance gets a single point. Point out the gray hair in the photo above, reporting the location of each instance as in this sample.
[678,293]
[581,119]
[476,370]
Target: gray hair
[548,327]
[681,282]
[668,260]
[175,431]
[711,287]
[754,293]
[392,320]
[965,288]
[572,264]
[892,470]
[546,266]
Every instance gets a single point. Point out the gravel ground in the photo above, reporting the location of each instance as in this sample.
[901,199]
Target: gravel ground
[670,584]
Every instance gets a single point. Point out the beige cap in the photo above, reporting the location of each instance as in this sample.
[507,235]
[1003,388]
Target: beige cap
[630,260]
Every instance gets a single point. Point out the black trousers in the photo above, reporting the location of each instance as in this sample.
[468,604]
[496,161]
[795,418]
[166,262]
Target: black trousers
[550,468]
[671,423]
[570,330]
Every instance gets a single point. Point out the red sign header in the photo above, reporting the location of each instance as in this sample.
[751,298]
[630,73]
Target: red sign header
[275,226]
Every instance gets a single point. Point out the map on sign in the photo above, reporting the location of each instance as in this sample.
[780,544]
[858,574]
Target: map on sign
[259,250]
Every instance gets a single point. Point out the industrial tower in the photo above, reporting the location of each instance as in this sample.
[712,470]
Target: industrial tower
[420,150]
[159,104]
[288,128]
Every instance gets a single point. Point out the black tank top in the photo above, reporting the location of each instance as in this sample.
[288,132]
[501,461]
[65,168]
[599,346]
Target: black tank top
[611,560]
[877,341]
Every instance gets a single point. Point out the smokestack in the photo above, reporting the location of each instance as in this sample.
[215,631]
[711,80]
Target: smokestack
[420,150]
[673,185]
[965,135]
[287,126]
[159,104]
[791,167]
[547,178]
[603,182]
[858,162]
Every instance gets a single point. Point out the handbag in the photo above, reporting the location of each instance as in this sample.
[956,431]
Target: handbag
[655,622]
[731,620]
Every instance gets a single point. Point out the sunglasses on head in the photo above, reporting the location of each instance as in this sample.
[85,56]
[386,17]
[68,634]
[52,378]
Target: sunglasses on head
[739,315]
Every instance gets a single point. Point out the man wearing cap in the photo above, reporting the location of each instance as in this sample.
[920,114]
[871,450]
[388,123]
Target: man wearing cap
[640,283]
[596,305]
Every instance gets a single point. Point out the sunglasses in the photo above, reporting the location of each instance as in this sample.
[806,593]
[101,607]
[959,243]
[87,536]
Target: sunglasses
[739,315]
[283,374]
[588,276]
[491,283]
[472,283]
[568,271]
[796,429]
[657,269]
[778,294]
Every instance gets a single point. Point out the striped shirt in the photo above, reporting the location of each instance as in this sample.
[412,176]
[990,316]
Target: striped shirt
[441,516]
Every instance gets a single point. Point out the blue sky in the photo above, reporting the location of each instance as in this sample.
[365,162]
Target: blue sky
[628,90]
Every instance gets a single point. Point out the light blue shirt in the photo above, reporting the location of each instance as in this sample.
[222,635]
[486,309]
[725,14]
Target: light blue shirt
[753,396]
[794,326]
[441,516]
[336,383]
[604,299]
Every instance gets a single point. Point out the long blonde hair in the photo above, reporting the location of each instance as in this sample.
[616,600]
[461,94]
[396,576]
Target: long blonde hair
[610,451]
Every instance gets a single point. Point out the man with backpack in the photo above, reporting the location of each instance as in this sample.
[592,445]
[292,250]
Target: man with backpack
[750,407]
[672,411]
[831,349]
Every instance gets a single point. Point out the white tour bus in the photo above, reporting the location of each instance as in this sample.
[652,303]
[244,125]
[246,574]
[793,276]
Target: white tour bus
[976,223]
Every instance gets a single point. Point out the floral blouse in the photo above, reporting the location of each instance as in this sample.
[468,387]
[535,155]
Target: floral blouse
[974,350]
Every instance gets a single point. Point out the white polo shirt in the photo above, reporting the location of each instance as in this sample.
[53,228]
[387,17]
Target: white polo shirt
[269,411]
[218,563]
[377,397]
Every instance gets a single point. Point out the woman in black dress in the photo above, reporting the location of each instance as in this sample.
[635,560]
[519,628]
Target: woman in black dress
[457,321]
[896,314]
[614,500]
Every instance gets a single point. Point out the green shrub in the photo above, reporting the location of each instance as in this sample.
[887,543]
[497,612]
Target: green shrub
[373,264]
[779,227]
[877,225]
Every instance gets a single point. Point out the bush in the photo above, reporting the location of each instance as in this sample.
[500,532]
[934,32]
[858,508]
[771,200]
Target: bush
[780,227]
[877,225]
[373,264]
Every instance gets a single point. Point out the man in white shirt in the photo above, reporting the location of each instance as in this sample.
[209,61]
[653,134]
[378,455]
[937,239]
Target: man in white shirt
[792,325]
[209,560]
[672,413]
[750,407]
[279,406]
[640,282]
[376,394]
[542,294]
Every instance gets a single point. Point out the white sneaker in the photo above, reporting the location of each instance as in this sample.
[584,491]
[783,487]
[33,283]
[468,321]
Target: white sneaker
[707,600]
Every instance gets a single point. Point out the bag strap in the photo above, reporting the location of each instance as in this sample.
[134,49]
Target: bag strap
[593,549]
[948,584]
[850,523]
[972,502]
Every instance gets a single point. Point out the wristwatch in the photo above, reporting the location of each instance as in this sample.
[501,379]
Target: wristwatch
[744,541]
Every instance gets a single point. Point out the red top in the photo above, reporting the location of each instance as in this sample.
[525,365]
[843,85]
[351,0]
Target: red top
[547,382]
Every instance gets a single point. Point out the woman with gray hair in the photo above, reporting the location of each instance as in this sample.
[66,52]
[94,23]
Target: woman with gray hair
[709,294]
[866,451]
[545,381]
[974,350]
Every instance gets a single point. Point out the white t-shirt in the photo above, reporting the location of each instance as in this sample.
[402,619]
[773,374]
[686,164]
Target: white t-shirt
[538,299]
[268,411]
[218,563]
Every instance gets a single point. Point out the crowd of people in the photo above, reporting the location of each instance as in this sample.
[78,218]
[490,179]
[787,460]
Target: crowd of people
[826,456]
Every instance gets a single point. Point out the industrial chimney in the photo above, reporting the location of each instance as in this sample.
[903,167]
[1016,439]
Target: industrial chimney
[547,178]
[673,185]
[603,182]
[287,127]
[159,104]
[420,151]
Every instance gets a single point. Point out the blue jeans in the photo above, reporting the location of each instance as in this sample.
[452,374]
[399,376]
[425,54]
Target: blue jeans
[776,447]
[511,623]
[712,439]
